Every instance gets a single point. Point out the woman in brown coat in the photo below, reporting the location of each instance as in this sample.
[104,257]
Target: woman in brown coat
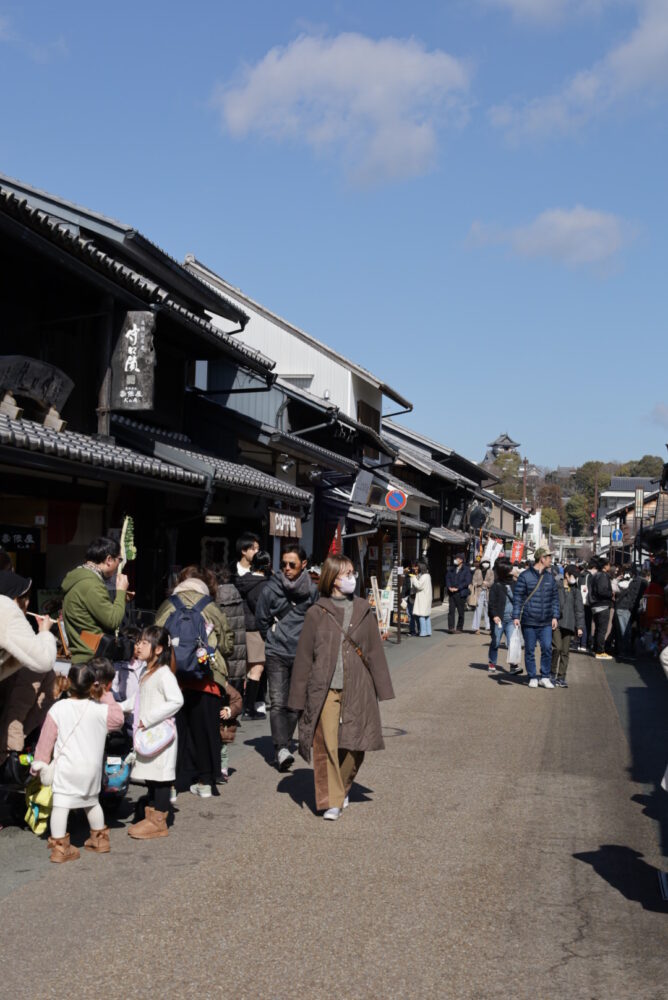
[339,675]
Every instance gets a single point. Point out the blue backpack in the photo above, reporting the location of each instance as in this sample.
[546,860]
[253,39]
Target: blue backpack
[190,642]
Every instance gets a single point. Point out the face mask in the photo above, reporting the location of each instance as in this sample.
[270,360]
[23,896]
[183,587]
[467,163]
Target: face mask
[458,562]
[571,579]
[347,585]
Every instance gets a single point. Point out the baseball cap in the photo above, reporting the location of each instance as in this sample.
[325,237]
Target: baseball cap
[12,585]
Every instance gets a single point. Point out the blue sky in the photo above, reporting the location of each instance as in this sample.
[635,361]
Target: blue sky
[470,201]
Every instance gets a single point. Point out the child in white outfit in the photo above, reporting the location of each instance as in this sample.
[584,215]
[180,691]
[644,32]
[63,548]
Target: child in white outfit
[74,732]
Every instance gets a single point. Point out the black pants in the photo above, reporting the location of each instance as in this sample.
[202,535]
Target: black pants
[601,622]
[158,795]
[282,719]
[588,620]
[456,603]
[202,716]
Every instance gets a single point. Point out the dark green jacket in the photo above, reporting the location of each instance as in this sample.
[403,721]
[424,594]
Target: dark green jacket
[87,607]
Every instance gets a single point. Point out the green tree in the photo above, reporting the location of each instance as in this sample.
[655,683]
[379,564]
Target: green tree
[549,496]
[648,465]
[578,514]
[585,478]
[507,468]
[550,519]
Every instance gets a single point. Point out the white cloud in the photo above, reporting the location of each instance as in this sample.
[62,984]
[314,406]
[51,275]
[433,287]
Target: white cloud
[659,414]
[378,105]
[549,11]
[638,67]
[575,237]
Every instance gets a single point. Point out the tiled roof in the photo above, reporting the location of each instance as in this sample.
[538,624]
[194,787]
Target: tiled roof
[389,479]
[630,484]
[157,433]
[421,460]
[26,435]
[448,536]
[316,450]
[67,238]
[245,478]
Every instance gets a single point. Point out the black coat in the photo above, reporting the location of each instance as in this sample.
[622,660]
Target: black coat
[459,577]
[229,601]
[250,587]
[571,616]
[497,598]
[280,613]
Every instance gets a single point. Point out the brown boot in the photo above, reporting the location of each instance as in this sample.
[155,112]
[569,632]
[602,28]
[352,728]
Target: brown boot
[154,825]
[62,850]
[98,841]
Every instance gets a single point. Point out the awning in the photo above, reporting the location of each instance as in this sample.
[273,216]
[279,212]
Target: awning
[387,480]
[381,515]
[447,536]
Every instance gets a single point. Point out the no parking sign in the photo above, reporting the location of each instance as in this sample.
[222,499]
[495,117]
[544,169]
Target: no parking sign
[395,500]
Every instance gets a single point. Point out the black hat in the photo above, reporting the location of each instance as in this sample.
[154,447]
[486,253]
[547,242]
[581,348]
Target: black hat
[12,585]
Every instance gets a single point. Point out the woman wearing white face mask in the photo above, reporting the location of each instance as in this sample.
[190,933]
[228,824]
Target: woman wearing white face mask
[339,675]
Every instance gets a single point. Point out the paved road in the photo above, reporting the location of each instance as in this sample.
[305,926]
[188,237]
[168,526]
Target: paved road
[504,846]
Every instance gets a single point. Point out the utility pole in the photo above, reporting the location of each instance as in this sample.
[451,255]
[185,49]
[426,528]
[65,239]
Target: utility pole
[524,485]
[595,511]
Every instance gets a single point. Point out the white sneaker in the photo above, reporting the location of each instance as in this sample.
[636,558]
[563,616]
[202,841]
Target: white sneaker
[172,795]
[346,803]
[533,683]
[332,813]
[545,682]
[284,759]
[261,709]
[204,791]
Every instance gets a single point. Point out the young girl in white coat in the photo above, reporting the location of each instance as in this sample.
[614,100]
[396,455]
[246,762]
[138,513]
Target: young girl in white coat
[159,698]
[74,732]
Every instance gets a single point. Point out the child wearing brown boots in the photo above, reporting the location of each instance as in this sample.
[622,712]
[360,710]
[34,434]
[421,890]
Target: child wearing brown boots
[74,735]
[159,698]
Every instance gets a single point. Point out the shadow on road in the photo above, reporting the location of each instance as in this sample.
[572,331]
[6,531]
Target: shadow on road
[624,869]
[299,786]
[264,745]
[503,677]
[647,708]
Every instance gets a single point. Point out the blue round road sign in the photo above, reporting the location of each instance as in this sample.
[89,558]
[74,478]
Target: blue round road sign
[616,535]
[396,500]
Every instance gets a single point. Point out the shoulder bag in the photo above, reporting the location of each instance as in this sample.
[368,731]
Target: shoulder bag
[345,635]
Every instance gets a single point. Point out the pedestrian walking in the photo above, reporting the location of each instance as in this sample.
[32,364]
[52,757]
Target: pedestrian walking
[422,600]
[601,605]
[250,586]
[340,674]
[626,608]
[158,700]
[73,736]
[483,579]
[279,615]
[571,623]
[458,584]
[202,639]
[536,611]
[501,614]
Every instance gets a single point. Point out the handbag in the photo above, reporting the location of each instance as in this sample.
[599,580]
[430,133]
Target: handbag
[152,741]
[114,647]
[39,802]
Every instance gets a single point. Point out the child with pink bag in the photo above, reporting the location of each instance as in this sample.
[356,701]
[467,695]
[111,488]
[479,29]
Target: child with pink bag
[159,699]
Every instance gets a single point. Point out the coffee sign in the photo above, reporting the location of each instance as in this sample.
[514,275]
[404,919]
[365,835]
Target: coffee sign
[132,364]
[284,525]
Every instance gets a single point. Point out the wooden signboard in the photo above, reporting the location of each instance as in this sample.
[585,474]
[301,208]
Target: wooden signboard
[284,525]
[133,363]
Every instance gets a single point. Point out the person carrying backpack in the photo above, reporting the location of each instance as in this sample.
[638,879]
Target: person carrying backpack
[201,640]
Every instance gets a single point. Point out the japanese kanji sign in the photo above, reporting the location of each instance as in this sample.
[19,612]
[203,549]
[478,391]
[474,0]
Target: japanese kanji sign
[132,364]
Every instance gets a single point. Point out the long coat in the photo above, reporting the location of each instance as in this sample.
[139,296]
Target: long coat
[423,595]
[231,604]
[160,698]
[363,686]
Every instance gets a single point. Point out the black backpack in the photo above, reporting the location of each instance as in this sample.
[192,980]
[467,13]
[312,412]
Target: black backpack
[187,628]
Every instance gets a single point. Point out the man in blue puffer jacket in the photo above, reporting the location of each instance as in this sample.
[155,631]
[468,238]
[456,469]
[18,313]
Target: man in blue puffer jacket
[536,609]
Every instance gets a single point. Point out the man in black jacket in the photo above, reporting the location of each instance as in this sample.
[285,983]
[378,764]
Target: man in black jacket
[458,583]
[601,602]
[279,616]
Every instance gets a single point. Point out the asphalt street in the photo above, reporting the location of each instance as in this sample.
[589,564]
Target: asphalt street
[506,844]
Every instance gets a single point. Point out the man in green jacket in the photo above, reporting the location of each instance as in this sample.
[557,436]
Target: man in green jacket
[87,607]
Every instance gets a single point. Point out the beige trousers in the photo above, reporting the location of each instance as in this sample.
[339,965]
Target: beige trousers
[27,697]
[334,769]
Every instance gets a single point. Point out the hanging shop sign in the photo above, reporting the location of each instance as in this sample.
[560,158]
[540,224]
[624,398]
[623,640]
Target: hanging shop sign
[133,363]
[517,552]
[13,537]
[283,525]
[35,379]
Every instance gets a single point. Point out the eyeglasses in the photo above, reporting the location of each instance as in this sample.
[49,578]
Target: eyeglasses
[289,565]
[351,574]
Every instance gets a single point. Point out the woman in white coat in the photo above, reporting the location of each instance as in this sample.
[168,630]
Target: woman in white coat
[159,699]
[421,587]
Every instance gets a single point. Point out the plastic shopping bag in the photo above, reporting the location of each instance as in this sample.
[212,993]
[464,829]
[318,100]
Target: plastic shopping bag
[514,658]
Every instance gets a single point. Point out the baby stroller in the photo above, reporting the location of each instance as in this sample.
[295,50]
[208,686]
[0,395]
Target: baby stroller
[116,770]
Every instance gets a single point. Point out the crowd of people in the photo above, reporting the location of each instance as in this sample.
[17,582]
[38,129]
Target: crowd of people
[176,689]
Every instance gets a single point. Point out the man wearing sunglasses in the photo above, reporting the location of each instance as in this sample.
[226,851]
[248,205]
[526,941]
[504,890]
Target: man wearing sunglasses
[279,616]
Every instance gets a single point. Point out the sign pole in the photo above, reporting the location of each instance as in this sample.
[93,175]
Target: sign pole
[400,576]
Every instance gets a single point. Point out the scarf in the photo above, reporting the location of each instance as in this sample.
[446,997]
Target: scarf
[300,587]
[192,584]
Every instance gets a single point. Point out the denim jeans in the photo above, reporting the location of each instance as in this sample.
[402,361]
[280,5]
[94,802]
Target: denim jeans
[497,631]
[282,719]
[424,624]
[542,635]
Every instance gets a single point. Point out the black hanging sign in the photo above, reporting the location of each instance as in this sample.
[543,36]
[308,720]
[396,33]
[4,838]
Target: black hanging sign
[35,379]
[132,364]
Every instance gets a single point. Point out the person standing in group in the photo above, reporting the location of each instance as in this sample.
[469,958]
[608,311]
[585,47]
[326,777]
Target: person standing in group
[250,586]
[247,545]
[88,610]
[586,584]
[231,603]
[422,600]
[483,578]
[159,698]
[571,622]
[501,614]
[536,610]
[279,616]
[340,674]
[202,639]
[458,584]
[626,608]
[74,735]
[407,595]
[601,605]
